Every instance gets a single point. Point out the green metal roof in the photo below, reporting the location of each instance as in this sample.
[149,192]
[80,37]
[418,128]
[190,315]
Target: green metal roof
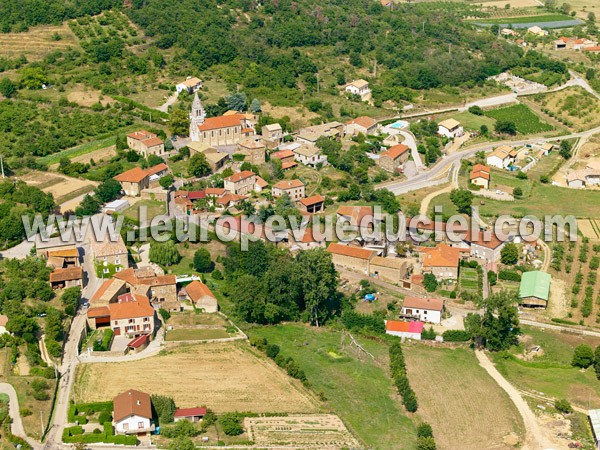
[535,284]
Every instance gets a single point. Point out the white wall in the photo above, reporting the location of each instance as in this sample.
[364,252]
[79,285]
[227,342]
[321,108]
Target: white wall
[425,315]
[132,423]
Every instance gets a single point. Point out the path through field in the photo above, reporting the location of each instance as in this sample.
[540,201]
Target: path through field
[535,437]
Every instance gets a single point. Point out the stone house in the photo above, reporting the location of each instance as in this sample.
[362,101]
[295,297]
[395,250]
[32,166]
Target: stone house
[394,158]
[145,143]
[133,181]
[294,188]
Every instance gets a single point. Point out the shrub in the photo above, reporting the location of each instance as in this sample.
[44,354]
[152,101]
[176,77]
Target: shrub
[104,417]
[429,334]
[424,430]
[509,275]
[456,336]
[231,424]
[426,443]
[583,356]
[563,406]
[272,351]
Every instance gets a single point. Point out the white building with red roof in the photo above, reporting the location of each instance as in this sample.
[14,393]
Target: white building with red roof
[424,309]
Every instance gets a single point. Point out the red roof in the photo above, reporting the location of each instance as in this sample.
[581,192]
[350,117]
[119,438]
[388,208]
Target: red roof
[592,49]
[481,168]
[195,195]
[288,165]
[363,121]
[213,123]
[189,412]
[312,200]
[157,169]
[139,341]
[353,252]
[288,184]
[282,154]
[479,174]
[152,142]
[396,151]
[405,327]
[240,176]
[131,309]
[134,175]
[141,135]
[431,304]
[441,256]
[488,240]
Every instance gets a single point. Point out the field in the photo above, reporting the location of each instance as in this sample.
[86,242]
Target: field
[37,42]
[468,279]
[196,334]
[153,208]
[308,431]
[454,379]
[224,377]
[574,107]
[525,119]
[551,373]
[527,19]
[470,121]
[589,228]
[350,382]
[62,187]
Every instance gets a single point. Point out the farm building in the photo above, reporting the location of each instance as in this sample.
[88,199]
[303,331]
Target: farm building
[145,143]
[116,206]
[202,297]
[191,414]
[132,413]
[68,277]
[408,330]
[594,418]
[392,159]
[535,289]
[424,309]
[388,269]
[352,258]
[160,289]
[108,292]
[313,204]
[45,247]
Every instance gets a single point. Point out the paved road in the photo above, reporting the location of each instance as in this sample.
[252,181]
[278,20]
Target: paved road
[535,437]
[411,142]
[424,179]
[579,81]
[170,101]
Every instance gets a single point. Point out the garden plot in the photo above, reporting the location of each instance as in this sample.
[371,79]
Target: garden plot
[62,187]
[320,431]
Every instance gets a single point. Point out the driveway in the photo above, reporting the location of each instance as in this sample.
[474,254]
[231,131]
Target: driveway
[16,427]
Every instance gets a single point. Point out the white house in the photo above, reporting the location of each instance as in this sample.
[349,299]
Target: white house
[450,128]
[502,157]
[424,309]
[408,330]
[537,31]
[191,85]
[359,87]
[132,413]
[309,156]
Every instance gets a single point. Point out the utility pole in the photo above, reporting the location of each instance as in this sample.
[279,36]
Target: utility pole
[2,165]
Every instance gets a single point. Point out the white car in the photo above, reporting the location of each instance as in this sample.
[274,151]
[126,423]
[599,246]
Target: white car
[499,193]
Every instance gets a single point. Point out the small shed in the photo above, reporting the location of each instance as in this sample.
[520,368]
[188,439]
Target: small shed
[191,414]
[410,330]
[534,291]
[138,344]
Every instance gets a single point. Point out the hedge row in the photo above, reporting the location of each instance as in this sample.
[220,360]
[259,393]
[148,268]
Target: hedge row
[273,351]
[400,379]
[456,336]
[73,435]
[509,275]
[353,320]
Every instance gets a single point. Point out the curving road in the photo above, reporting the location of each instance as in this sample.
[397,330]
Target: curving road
[16,426]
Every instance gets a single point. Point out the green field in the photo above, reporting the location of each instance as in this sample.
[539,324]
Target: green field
[525,119]
[199,334]
[552,373]
[544,199]
[468,279]
[153,208]
[470,121]
[527,19]
[358,390]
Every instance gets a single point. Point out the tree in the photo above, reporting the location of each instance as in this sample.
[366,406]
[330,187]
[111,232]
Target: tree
[476,110]
[597,362]
[166,181]
[7,87]
[426,443]
[319,282]
[505,127]
[237,101]
[164,408]
[179,122]
[231,424]
[484,130]
[517,192]
[255,106]
[430,282]
[424,430]
[202,261]
[498,328]
[198,165]
[182,443]
[88,206]
[509,254]
[108,191]
[33,77]
[565,149]
[563,406]
[462,199]
[164,253]
[583,356]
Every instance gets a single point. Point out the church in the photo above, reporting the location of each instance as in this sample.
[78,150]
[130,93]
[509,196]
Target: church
[226,130]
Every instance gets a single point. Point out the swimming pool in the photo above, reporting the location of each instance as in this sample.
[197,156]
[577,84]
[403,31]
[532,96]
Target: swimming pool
[399,124]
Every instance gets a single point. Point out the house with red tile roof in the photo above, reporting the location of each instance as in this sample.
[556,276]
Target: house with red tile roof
[358,217]
[132,413]
[160,289]
[201,296]
[485,245]
[362,124]
[241,183]
[146,143]
[307,241]
[293,188]
[480,176]
[131,315]
[408,330]
[393,159]
[110,255]
[283,155]
[442,261]
[423,309]
[133,181]
[353,258]
[67,277]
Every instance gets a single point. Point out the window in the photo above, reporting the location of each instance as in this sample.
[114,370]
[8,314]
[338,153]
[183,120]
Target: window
[146,319]
[131,321]
[125,426]
[105,270]
[116,323]
[140,425]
